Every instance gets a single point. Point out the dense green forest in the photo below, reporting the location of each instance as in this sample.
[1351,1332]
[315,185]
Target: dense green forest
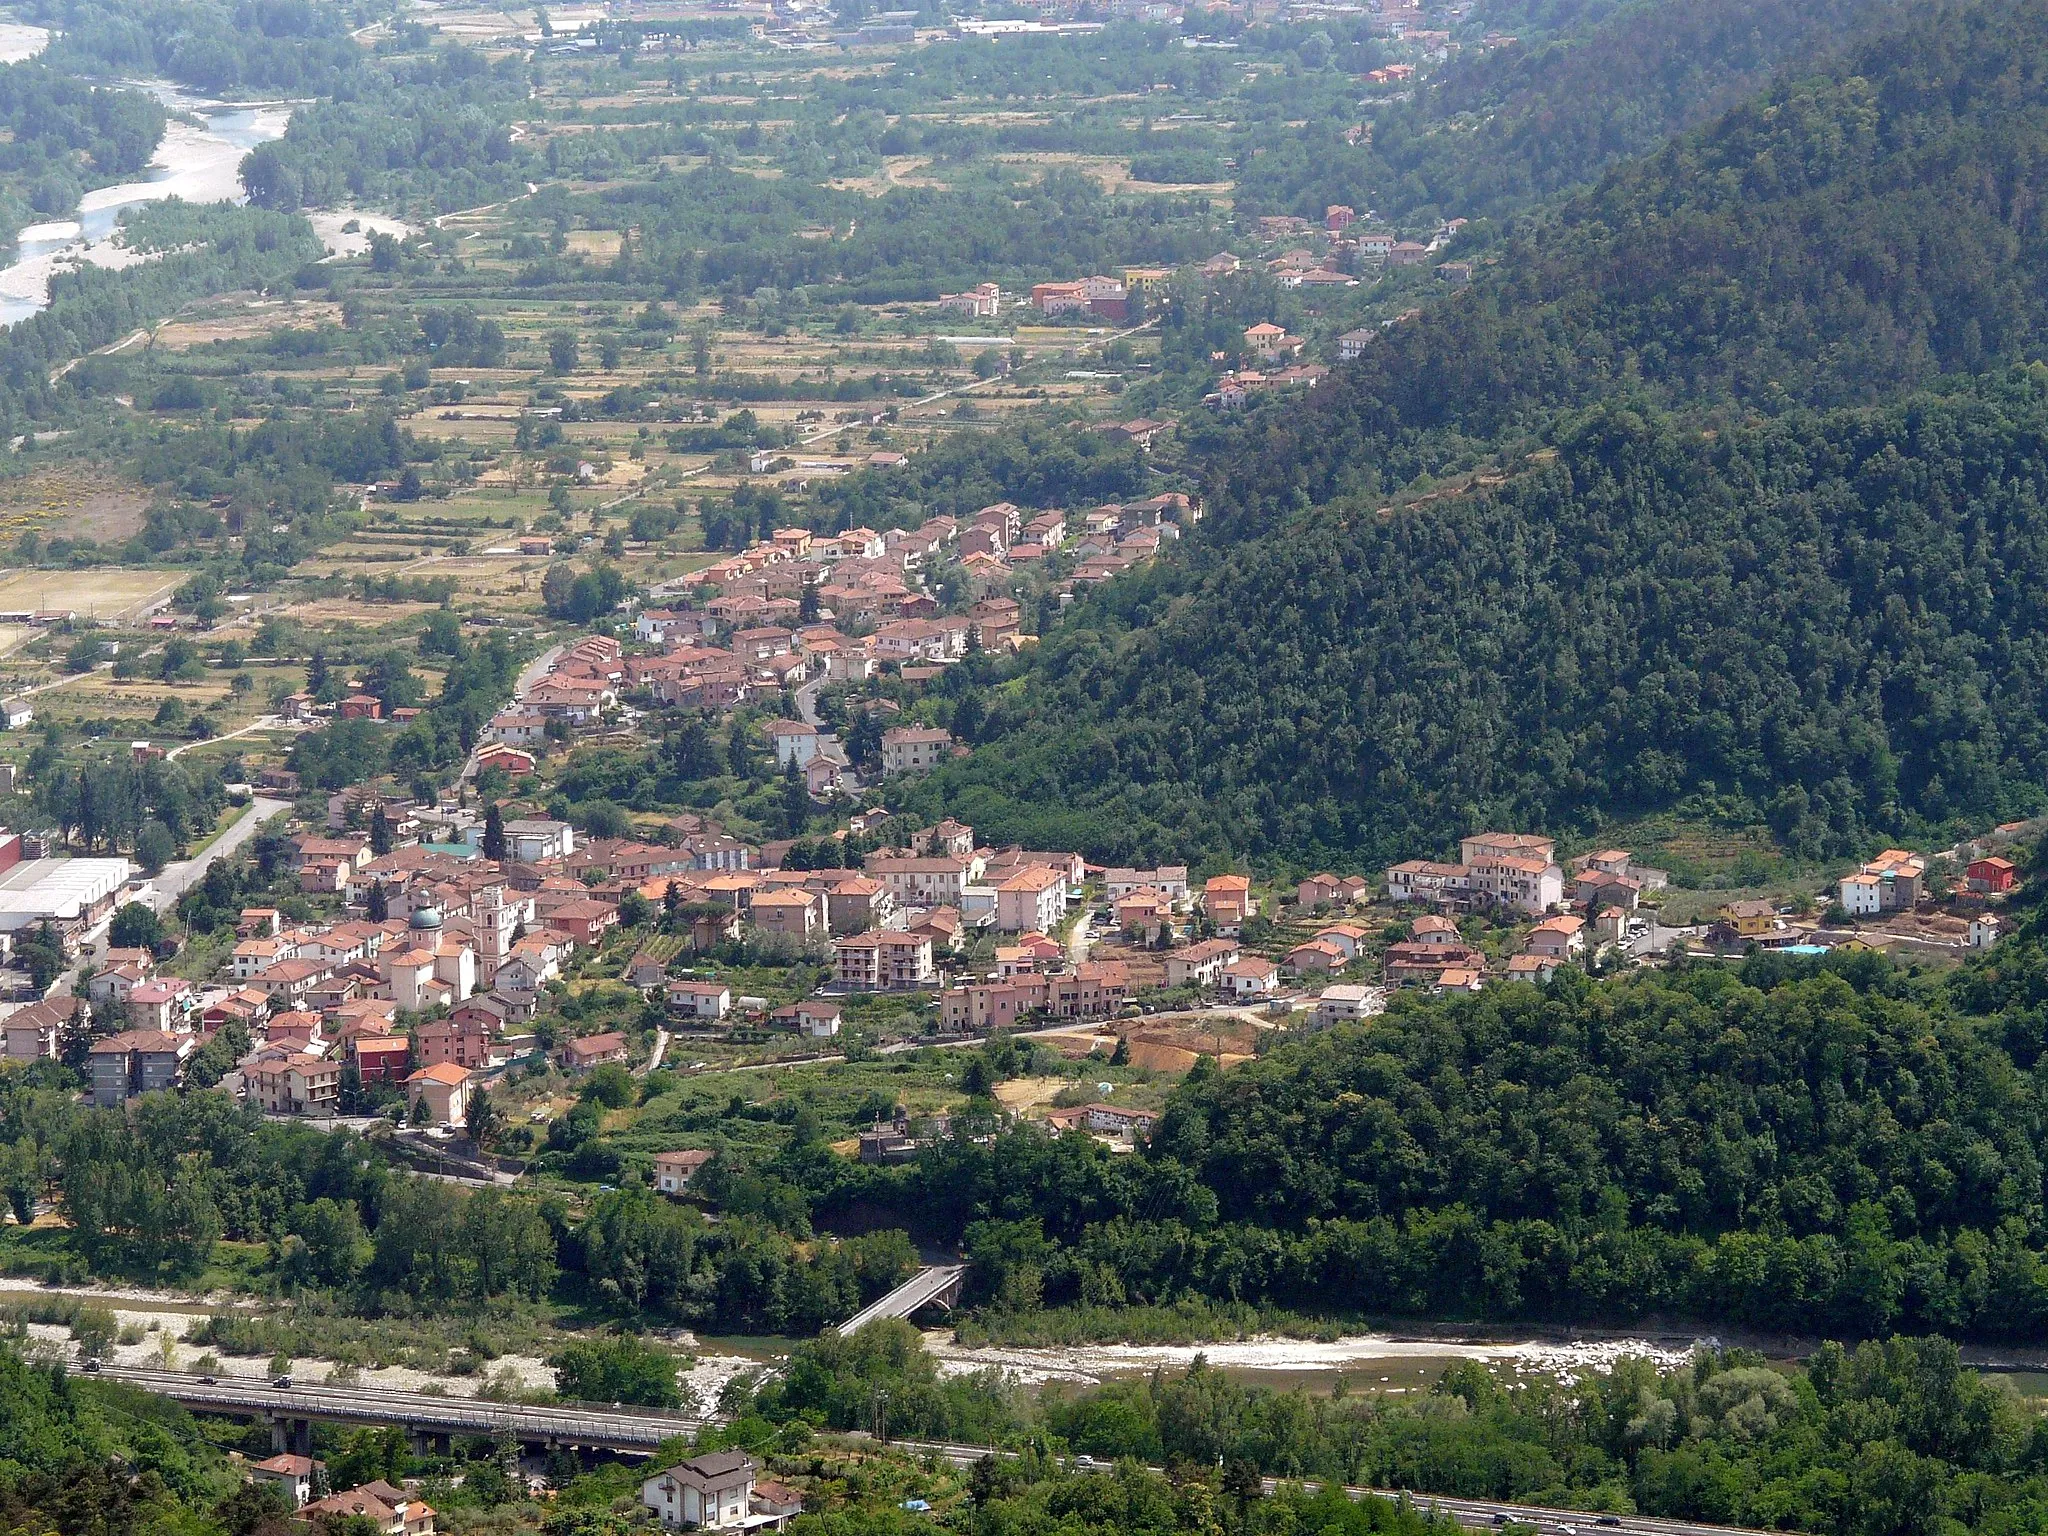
[299,46]
[1825,622]
[65,137]
[78,1457]
[1500,131]
[1813,619]
[433,128]
[1889,1437]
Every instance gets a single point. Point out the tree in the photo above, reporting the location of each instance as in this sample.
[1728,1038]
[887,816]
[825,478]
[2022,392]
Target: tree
[483,1119]
[377,906]
[494,832]
[336,1247]
[689,753]
[95,1329]
[796,802]
[43,955]
[563,353]
[380,832]
[619,1369]
[155,846]
[610,1085]
[135,926]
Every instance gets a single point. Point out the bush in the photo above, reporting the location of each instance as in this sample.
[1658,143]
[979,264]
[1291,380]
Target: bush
[619,1369]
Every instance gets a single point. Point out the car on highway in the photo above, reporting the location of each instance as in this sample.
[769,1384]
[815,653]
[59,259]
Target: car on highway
[88,1365]
[208,1381]
[1608,1520]
[281,1381]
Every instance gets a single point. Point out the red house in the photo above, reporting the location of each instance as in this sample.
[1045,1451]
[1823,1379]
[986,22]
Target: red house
[467,1044]
[361,706]
[510,759]
[381,1059]
[1991,876]
[583,922]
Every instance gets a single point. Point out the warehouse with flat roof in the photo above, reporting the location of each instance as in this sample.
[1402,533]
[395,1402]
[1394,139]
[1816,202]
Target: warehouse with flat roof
[73,894]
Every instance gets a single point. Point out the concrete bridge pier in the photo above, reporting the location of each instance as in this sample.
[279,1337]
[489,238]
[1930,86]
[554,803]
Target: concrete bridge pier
[291,1436]
[427,1443]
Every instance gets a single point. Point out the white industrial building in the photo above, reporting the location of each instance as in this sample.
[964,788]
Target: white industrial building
[72,894]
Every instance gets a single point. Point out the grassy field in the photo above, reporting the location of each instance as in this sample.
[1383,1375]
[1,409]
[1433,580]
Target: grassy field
[106,592]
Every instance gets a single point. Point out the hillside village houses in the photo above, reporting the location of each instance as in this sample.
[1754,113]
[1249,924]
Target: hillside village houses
[734,630]
[1891,882]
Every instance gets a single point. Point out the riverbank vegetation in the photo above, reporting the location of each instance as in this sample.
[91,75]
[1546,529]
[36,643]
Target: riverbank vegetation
[1890,1436]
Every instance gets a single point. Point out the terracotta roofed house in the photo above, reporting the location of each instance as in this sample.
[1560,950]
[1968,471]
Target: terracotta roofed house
[1227,899]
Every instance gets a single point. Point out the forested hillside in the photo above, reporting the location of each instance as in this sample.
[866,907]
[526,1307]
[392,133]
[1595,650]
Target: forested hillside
[1828,1146]
[1844,237]
[1500,130]
[1816,618]
[1833,618]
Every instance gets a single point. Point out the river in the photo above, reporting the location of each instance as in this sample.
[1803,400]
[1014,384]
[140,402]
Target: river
[1363,1362]
[20,41]
[198,160]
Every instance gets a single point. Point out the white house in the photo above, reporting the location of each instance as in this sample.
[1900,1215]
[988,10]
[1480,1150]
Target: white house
[674,1170]
[1251,976]
[293,1476]
[699,999]
[530,841]
[915,748]
[713,1492]
[795,743]
[1346,1003]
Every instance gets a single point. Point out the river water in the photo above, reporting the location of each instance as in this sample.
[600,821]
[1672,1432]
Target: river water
[198,160]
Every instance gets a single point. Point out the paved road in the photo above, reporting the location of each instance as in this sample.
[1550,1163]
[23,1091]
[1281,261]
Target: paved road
[260,723]
[1657,938]
[533,672]
[807,703]
[1473,1514]
[174,880]
[1082,936]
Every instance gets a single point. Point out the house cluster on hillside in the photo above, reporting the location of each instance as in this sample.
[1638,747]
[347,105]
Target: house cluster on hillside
[438,963]
[1518,872]
[1107,298]
[571,696]
[1580,906]
[800,607]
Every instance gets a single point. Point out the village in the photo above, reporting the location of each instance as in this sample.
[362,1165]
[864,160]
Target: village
[416,961]
[438,944]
